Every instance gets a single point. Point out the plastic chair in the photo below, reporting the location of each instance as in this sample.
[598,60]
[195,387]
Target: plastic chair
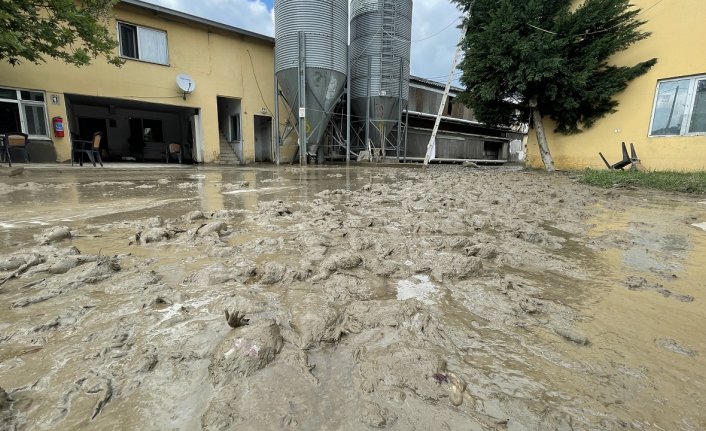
[16,141]
[90,148]
[173,149]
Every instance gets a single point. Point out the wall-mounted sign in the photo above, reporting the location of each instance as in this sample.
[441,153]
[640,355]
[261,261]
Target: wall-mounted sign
[55,100]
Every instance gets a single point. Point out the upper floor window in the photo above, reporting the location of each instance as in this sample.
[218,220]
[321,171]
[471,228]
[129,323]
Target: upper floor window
[142,43]
[23,111]
[680,107]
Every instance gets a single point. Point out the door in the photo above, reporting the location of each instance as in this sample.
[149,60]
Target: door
[263,138]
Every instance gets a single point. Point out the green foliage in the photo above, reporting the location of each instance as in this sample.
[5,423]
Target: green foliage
[67,30]
[685,182]
[517,51]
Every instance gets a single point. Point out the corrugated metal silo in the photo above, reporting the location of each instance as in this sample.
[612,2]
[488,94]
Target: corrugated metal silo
[381,32]
[322,25]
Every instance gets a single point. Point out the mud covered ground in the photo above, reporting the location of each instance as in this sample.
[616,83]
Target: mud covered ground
[345,299]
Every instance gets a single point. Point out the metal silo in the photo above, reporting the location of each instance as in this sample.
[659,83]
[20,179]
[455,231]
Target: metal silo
[311,37]
[381,32]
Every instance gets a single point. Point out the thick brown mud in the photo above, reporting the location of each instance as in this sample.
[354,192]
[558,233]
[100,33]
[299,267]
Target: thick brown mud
[334,298]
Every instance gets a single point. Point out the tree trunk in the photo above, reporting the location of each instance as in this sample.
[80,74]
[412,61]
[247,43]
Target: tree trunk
[541,137]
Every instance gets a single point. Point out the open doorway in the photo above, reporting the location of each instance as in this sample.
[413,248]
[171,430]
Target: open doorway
[263,138]
[229,128]
[134,131]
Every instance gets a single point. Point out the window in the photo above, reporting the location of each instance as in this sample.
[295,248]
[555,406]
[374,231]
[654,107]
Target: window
[152,131]
[698,112]
[142,43]
[680,107]
[23,111]
[128,40]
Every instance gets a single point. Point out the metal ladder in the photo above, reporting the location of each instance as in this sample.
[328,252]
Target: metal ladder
[388,62]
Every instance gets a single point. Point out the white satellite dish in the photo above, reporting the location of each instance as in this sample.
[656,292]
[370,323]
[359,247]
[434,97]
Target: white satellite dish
[185,83]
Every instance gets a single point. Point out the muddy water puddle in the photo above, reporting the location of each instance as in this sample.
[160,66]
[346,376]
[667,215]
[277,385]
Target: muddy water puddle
[365,298]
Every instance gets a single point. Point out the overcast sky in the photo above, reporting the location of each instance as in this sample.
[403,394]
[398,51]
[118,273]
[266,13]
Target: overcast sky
[433,21]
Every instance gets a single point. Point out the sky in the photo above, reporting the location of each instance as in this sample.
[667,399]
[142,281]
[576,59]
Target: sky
[434,27]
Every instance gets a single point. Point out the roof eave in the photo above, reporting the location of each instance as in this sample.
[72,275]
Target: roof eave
[187,17]
[436,84]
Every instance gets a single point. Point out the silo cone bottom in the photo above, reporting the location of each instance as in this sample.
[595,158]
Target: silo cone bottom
[324,88]
[384,114]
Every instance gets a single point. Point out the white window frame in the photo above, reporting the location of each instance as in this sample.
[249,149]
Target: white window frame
[688,109]
[23,116]
[137,41]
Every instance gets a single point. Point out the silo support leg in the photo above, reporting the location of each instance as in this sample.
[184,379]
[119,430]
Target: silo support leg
[399,110]
[302,99]
[277,120]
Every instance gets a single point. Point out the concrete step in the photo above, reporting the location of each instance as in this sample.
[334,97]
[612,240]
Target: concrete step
[228,156]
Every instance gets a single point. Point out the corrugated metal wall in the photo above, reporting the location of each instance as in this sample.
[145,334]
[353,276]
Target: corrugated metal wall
[325,23]
[427,101]
[456,146]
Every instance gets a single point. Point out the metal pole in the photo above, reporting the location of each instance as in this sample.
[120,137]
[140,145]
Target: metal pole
[367,111]
[302,99]
[277,135]
[348,109]
[406,129]
[432,139]
[399,110]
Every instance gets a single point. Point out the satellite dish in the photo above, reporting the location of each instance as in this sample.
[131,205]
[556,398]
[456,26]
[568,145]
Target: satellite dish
[185,83]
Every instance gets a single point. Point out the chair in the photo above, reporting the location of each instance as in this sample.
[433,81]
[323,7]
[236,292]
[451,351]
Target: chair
[4,153]
[630,159]
[173,149]
[16,141]
[90,148]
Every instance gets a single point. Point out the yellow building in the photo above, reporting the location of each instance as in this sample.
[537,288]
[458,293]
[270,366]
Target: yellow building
[662,112]
[139,107]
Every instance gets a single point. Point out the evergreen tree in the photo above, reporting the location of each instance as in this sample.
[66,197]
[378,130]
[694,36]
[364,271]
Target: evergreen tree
[547,57]
[68,30]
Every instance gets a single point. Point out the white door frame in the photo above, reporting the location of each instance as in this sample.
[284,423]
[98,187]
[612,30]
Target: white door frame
[198,136]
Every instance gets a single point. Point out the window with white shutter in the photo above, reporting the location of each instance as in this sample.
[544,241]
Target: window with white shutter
[143,43]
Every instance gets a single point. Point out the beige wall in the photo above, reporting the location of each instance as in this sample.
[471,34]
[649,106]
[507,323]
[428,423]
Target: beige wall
[677,40]
[217,60]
